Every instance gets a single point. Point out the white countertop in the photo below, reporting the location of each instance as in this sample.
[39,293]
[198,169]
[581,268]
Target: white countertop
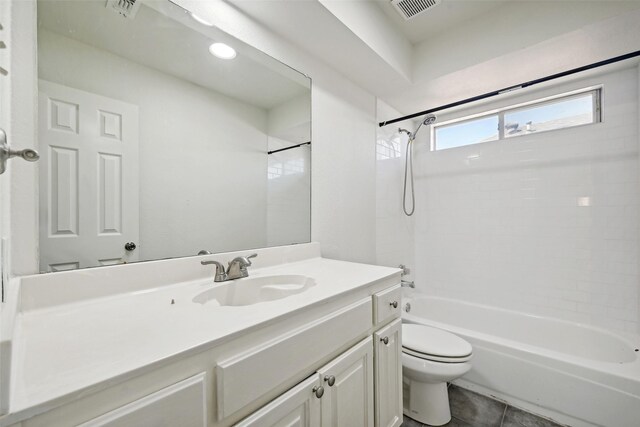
[63,349]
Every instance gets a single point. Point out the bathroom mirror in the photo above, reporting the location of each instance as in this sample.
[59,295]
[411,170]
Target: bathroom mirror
[153,147]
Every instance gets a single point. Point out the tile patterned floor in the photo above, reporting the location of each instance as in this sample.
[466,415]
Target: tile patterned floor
[469,409]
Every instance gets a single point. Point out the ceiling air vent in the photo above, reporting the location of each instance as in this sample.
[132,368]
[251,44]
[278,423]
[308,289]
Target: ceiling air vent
[126,8]
[411,8]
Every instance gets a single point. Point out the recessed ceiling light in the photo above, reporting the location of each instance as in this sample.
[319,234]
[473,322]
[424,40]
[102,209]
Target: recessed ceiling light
[222,50]
[201,20]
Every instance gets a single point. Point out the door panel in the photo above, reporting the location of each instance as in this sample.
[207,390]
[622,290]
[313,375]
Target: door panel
[388,375]
[88,178]
[299,407]
[349,402]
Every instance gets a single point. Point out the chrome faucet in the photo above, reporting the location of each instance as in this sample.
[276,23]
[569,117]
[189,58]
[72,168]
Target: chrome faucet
[407,284]
[221,274]
[238,267]
[236,270]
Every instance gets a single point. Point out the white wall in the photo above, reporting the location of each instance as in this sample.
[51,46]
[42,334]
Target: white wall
[514,26]
[501,223]
[202,155]
[291,120]
[469,59]
[394,230]
[368,22]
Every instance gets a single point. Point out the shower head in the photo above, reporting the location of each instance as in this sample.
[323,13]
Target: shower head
[429,119]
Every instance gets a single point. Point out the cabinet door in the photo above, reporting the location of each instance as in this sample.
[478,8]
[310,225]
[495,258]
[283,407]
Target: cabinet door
[299,407]
[348,388]
[388,375]
[182,404]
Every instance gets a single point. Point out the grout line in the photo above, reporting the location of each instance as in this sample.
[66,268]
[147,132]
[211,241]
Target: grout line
[503,415]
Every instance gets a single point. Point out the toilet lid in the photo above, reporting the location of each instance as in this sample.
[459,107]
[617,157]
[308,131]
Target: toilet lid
[433,342]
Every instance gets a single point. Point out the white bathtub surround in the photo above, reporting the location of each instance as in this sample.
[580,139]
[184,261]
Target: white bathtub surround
[115,323]
[546,223]
[575,374]
[288,193]
[394,230]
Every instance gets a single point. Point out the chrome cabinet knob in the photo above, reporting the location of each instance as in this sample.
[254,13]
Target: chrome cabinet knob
[394,304]
[330,379]
[385,340]
[318,391]
[130,246]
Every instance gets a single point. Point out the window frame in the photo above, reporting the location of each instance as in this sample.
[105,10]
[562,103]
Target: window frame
[594,91]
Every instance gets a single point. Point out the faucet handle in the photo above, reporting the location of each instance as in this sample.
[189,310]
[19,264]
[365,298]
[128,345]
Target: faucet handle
[249,257]
[243,261]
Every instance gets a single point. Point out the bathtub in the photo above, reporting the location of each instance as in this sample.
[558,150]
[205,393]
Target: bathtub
[573,373]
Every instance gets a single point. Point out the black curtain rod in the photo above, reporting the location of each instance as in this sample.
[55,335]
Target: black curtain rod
[289,148]
[516,87]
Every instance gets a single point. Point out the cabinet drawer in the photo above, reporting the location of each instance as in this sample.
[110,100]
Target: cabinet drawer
[181,404]
[242,379]
[386,304]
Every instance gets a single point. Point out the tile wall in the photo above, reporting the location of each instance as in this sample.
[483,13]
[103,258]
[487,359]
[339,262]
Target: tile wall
[394,230]
[545,223]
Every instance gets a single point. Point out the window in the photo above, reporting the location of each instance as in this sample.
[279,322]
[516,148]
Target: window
[468,132]
[560,112]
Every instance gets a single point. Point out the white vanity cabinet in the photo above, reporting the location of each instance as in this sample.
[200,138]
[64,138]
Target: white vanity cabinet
[388,375]
[339,394]
[181,404]
[348,388]
[362,387]
[337,364]
[299,407]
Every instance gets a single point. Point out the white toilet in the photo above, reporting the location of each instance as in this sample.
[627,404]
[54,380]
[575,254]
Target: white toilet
[431,357]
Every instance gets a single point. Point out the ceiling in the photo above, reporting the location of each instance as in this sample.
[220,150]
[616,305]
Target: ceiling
[458,49]
[439,19]
[178,47]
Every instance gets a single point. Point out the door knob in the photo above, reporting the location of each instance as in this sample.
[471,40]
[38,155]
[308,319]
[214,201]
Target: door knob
[385,340]
[130,246]
[6,152]
[394,304]
[330,379]
[319,391]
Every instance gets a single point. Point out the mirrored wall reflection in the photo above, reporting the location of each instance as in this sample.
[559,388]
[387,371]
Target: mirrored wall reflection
[155,146]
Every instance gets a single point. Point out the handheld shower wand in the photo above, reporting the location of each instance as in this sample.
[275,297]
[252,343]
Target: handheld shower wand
[408,164]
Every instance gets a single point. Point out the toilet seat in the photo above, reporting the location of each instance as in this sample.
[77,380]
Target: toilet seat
[428,343]
[433,358]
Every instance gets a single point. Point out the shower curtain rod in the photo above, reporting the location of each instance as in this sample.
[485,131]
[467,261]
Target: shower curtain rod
[515,87]
[289,148]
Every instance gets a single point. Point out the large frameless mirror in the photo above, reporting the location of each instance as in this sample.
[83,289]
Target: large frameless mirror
[161,136]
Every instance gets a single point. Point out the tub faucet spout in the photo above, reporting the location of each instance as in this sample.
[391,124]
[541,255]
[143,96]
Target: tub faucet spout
[407,284]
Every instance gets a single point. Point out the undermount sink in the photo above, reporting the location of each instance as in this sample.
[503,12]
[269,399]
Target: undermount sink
[253,290]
